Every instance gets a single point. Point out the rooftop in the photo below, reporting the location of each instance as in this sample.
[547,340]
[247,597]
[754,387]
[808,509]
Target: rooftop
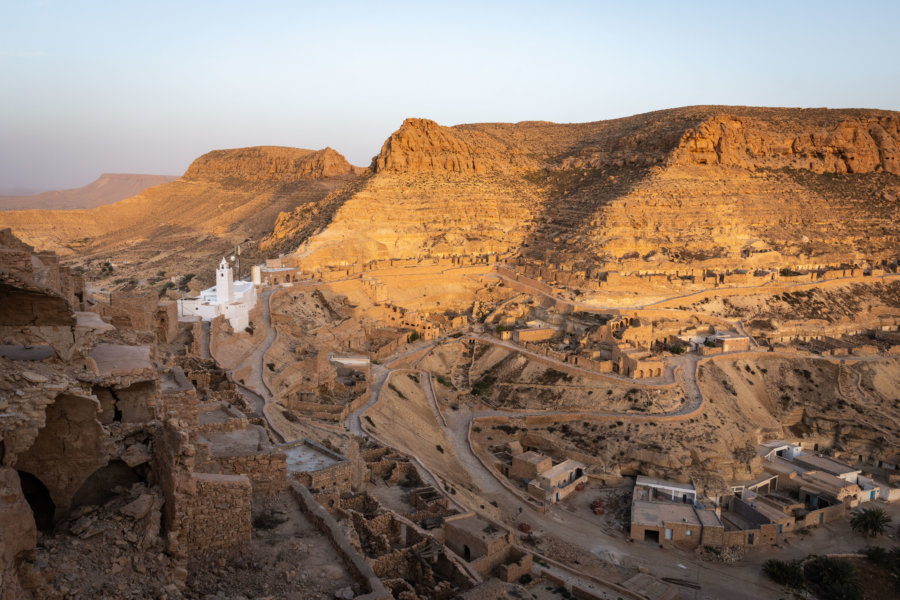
[174,380]
[116,359]
[531,457]
[654,482]
[562,468]
[659,513]
[768,511]
[307,457]
[476,526]
[242,442]
[92,320]
[824,463]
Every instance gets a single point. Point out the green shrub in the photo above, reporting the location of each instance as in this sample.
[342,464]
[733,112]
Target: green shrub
[832,579]
[482,386]
[785,573]
[869,521]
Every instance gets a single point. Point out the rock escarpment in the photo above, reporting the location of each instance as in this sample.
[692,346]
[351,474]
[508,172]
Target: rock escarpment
[225,197]
[269,164]
[690,188]
[673,192]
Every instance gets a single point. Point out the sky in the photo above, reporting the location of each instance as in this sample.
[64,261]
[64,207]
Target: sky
[145,87]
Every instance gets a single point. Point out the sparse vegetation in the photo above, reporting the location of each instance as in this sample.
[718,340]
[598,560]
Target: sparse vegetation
[483,386]
[832,578]
[789,574]
[870,522]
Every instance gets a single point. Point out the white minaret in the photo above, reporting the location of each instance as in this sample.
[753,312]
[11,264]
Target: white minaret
[224,283]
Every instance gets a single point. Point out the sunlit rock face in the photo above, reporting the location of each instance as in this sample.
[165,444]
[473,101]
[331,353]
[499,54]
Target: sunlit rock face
[718,187]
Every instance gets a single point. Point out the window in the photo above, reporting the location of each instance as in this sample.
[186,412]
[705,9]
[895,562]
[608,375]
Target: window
[688,532]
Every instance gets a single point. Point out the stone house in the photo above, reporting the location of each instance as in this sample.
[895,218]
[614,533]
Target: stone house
[485,546]
[557,482]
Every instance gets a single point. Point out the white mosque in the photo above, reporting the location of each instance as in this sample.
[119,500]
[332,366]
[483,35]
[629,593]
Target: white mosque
[231,298]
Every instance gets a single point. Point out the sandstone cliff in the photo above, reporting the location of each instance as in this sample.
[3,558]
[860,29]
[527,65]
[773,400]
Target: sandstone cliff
[269,164]
[672,189]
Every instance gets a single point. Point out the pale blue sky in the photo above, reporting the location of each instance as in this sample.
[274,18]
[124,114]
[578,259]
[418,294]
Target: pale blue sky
[90,87]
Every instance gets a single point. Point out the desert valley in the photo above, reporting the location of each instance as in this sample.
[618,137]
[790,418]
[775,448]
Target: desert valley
[651,358]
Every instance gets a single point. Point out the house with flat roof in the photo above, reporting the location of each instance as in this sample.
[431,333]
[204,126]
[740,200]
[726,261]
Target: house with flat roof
[828,465]
[528,465]
[668,523]
[487,547]
[557,482]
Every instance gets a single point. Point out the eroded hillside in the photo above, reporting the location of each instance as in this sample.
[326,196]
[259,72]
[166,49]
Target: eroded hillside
[690,188]
[225,197]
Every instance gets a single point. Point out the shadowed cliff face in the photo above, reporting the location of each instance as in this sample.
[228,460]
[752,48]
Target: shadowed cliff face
[676,187]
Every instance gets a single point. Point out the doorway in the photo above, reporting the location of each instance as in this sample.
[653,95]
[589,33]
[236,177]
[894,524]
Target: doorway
[38,497]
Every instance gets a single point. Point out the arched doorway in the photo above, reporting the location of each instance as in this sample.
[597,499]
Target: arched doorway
[99,488]
[38,497]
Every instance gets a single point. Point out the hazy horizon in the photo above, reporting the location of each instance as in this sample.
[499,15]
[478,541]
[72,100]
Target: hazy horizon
[113,88]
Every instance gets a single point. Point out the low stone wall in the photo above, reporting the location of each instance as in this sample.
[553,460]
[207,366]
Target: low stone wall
[218,513]
[337,476]
[517,563]
[358,566]
[181,405]
[827,515]
[236,422]
[267,473]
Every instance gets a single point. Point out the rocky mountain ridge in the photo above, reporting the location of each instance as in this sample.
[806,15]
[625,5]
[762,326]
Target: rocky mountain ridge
[675,186]
[106,189]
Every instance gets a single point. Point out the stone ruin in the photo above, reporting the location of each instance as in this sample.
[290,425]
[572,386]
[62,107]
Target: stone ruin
[123,450]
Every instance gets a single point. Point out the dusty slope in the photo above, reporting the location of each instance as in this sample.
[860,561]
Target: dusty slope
[108,188]
[664,189]
[225,197]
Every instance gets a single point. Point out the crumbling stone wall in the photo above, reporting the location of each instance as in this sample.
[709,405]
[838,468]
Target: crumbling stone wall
[166,321]
[68,449]
[327,525]
[219,511]
[131,310]
[18,529]
[267,473]
[337,476]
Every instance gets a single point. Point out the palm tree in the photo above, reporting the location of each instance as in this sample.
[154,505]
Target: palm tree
[869,521]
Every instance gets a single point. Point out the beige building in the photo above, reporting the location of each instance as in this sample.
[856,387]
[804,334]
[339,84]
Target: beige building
[485,546]
[529,465]
[557,482]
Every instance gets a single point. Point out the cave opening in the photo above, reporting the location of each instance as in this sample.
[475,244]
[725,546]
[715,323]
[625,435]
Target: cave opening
[101,486]
[38,497]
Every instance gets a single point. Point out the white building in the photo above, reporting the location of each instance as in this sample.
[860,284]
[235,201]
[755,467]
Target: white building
[233,299]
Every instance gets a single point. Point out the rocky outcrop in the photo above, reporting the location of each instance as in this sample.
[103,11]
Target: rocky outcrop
[421,145]
[269,164]
[683,188]
[818,140]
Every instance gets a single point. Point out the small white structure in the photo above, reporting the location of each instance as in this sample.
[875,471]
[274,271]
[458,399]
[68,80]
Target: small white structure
[233,299]
[660,489]
[779,448]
